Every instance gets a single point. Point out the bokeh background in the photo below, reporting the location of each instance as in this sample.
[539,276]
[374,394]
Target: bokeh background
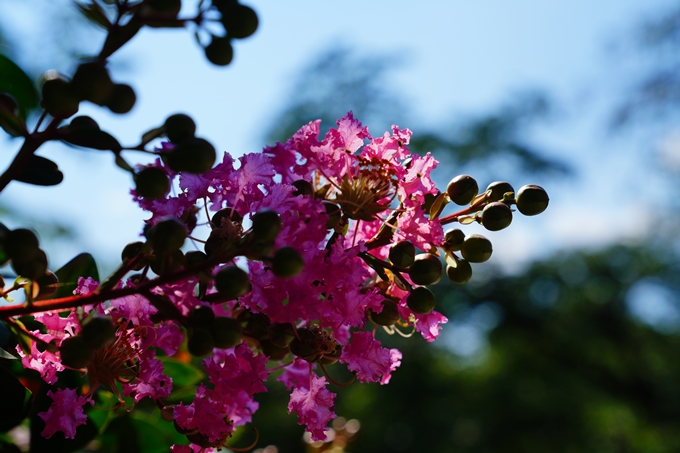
[567,340]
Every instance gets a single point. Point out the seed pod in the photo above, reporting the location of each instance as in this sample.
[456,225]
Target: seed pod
[169,7]
[476,248]
[75,352]
[460,273]
[21,244]
[122,99]
[167,235]
[201,316]
[302,188]
[167,262]
[274,352]
[220,51]
[33,267]
[281,334]
[227,332]
[496,216]
[58,98]
[287,262]
[240,21]
[421,300]
[305,345]
[454,239]
[83,123]
[232,282]
[498,190]
[226,213]
[426,269]
[98,331]
[402,254]
[388,316]
[200,342]
[532,199]
[152,182]
[92,82]
[266,225]
[192,155]
[194,257]
[179,127]
[462,189]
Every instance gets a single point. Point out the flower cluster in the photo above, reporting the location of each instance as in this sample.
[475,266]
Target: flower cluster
[308,247]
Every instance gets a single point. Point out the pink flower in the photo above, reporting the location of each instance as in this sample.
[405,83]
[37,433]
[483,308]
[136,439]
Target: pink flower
[65,414]
[368,359]
[313,406]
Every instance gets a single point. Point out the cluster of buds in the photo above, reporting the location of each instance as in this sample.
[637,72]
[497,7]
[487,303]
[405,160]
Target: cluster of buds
[307,248]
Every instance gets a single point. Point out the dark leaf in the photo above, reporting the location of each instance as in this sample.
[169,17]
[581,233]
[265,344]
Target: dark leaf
[91,138]
[82,265]
[40,172]
[182,374]
[152,134]
[6,447]
[95,13]
[6,355]
[15,400]
[118,36]
[4,334]
[122,163]
[11,123]
[13,80]
[439,205]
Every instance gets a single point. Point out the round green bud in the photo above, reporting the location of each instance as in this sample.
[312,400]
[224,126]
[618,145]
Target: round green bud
[334,214]
[476,248]
[426,269]
[122,99]
[201,316]
[496,216]
[91,82]
[48,284]
[31,268]
[287,262]
[532,199]
[152,182]
[240,21]
[193,155]
[179,127]
[303,188]
[402,254]
[166,263]
[200,342]
[21,244]
[83,123]
[75,352]
[232,282]
[58,98]
[194,257]
[454,239]
[226,213]
[227,332]
[388,316]
[462,189]
[281,335]
[460,273]
[98,331]
[421,300]
[167,235]
[220,51]
[498,190]
[266,225]
[273,351]
[132,250]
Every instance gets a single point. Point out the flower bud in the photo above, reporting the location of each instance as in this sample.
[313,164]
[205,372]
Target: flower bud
[167,263]
[498,189]
[121,99]
[388,316]
[303,188]
[227,332]
[496,216]
[287,262]
[454,239]
[152,182]
[305,345]
[219,52]
[532,199]
[33,267]
[201,316]
[179,127]
[460,273]
[281,334]
[194,257]
[476,248]
[167,235]
[75,352]
[240,21]
[98,331]
[21,244]
[402,254]
[273,351]
[329,358]
[426,269]
[92,82]
[200,342]
[232,282]
[226,213]
[192,155]
[421,300]
[83,123]
[58,98]
[462,189]
[132,250]
[266,225]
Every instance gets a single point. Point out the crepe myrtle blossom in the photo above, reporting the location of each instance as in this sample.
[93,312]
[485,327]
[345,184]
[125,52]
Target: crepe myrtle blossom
[307,249]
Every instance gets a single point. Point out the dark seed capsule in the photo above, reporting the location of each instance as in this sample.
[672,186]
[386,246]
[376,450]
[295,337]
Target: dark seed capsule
[402,254]
[334,214]
[152,182]
[281,334]
[421,300]
[58,98]
[460,273]
[532,199]
[83,123]
[21,244]
[227,332]
[232,282]
[476,248]
[496,216]
[388,316]
[98,331]
[122,99]
[454,239]
[92,82]
[192,155]
[287,262]
[462,189]
[201,316]
[179,127]
[167,235]
[48,284]
[266,225]
[200,342]
[220,51]
[240,21]
[303,188]
[33,267]
[75,352]
[426,269]
[498,190]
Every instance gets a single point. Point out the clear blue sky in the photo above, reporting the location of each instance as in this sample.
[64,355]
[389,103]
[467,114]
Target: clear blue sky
[457,56]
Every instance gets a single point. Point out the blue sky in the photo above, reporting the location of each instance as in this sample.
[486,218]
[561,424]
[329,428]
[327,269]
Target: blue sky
[454,57]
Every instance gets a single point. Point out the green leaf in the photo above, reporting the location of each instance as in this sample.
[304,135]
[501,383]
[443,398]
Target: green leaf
[40,172]
[6,355]
[182,374]
[91,138]
[16,400]
[158,436]
[6,447]
[438,206]
[82,265]
[13,80]
[121,436]
[152,134]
